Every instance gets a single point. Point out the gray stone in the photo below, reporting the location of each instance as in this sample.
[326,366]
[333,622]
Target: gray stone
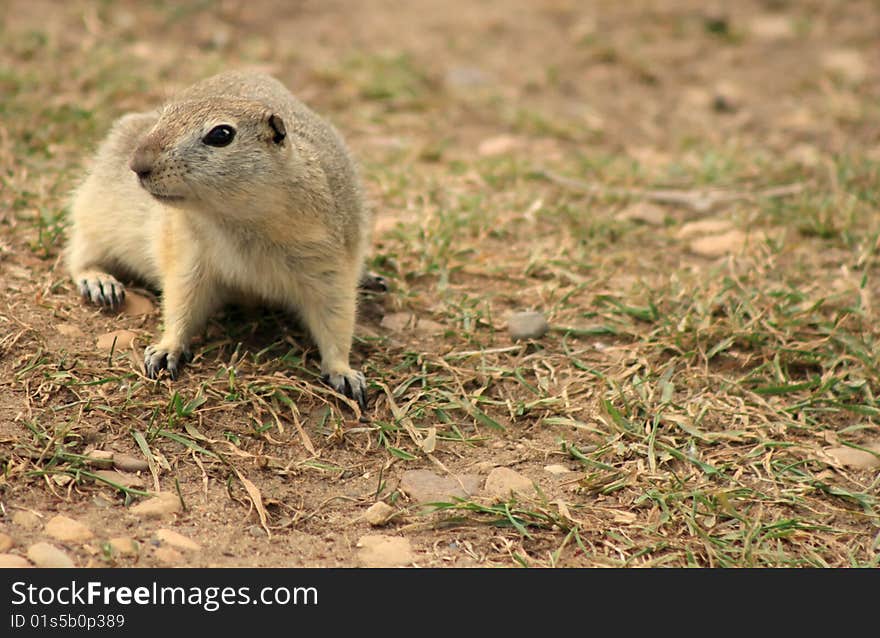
[527,325]
[423,486]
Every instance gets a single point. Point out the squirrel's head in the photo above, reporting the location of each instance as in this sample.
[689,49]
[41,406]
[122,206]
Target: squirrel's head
[215,151]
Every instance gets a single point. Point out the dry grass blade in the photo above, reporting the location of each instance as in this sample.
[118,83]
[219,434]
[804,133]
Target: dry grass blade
[294,412]
[256,498]
[151,460]
[400,416]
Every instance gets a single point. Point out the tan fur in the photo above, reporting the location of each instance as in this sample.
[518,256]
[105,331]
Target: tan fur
[281,220]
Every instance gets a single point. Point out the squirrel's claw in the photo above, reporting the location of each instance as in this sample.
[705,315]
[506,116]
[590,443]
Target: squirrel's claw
[373,282]
[157,359]
[353,385]
[102,290]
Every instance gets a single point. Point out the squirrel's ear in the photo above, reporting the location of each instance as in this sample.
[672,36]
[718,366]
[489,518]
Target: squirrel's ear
[278,130]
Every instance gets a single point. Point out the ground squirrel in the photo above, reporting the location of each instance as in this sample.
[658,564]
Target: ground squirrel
[233,190]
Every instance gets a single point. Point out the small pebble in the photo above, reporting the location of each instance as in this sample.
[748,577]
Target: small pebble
[398,321]
[484,467]
[118,478]
[13,561]
[67,530]
[771,27]
[27,519]
[136,304]
[47,555]
[848,64]
[527,325]
[466,77]
[69,330]
[168,555]
[100,458]
[406,322]
[124,545]
[645,213]
[502,482]
[162,504]
[730,242]
[257,531]
[101,501]
[498,145]
[854,458]
[378,514]
[711,226]
[127,463]
[117,340]
[424,486]
[177,540]
[556,469]
[6,542]
[384,551]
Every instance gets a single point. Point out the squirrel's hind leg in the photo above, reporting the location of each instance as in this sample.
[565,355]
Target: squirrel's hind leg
[330,318]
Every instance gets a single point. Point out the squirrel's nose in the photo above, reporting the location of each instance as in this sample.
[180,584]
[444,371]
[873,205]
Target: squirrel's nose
[141,163]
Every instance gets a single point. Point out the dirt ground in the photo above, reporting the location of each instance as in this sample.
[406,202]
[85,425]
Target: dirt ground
[687,191]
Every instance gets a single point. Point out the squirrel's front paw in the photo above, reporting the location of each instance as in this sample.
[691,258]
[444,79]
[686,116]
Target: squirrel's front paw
[157,359]
[373,282]
[101,289]
[351,383]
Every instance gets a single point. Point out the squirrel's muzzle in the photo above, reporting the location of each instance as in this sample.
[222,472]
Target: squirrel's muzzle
[142,163]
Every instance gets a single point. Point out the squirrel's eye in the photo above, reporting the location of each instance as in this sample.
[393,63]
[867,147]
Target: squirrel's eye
[219,136]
